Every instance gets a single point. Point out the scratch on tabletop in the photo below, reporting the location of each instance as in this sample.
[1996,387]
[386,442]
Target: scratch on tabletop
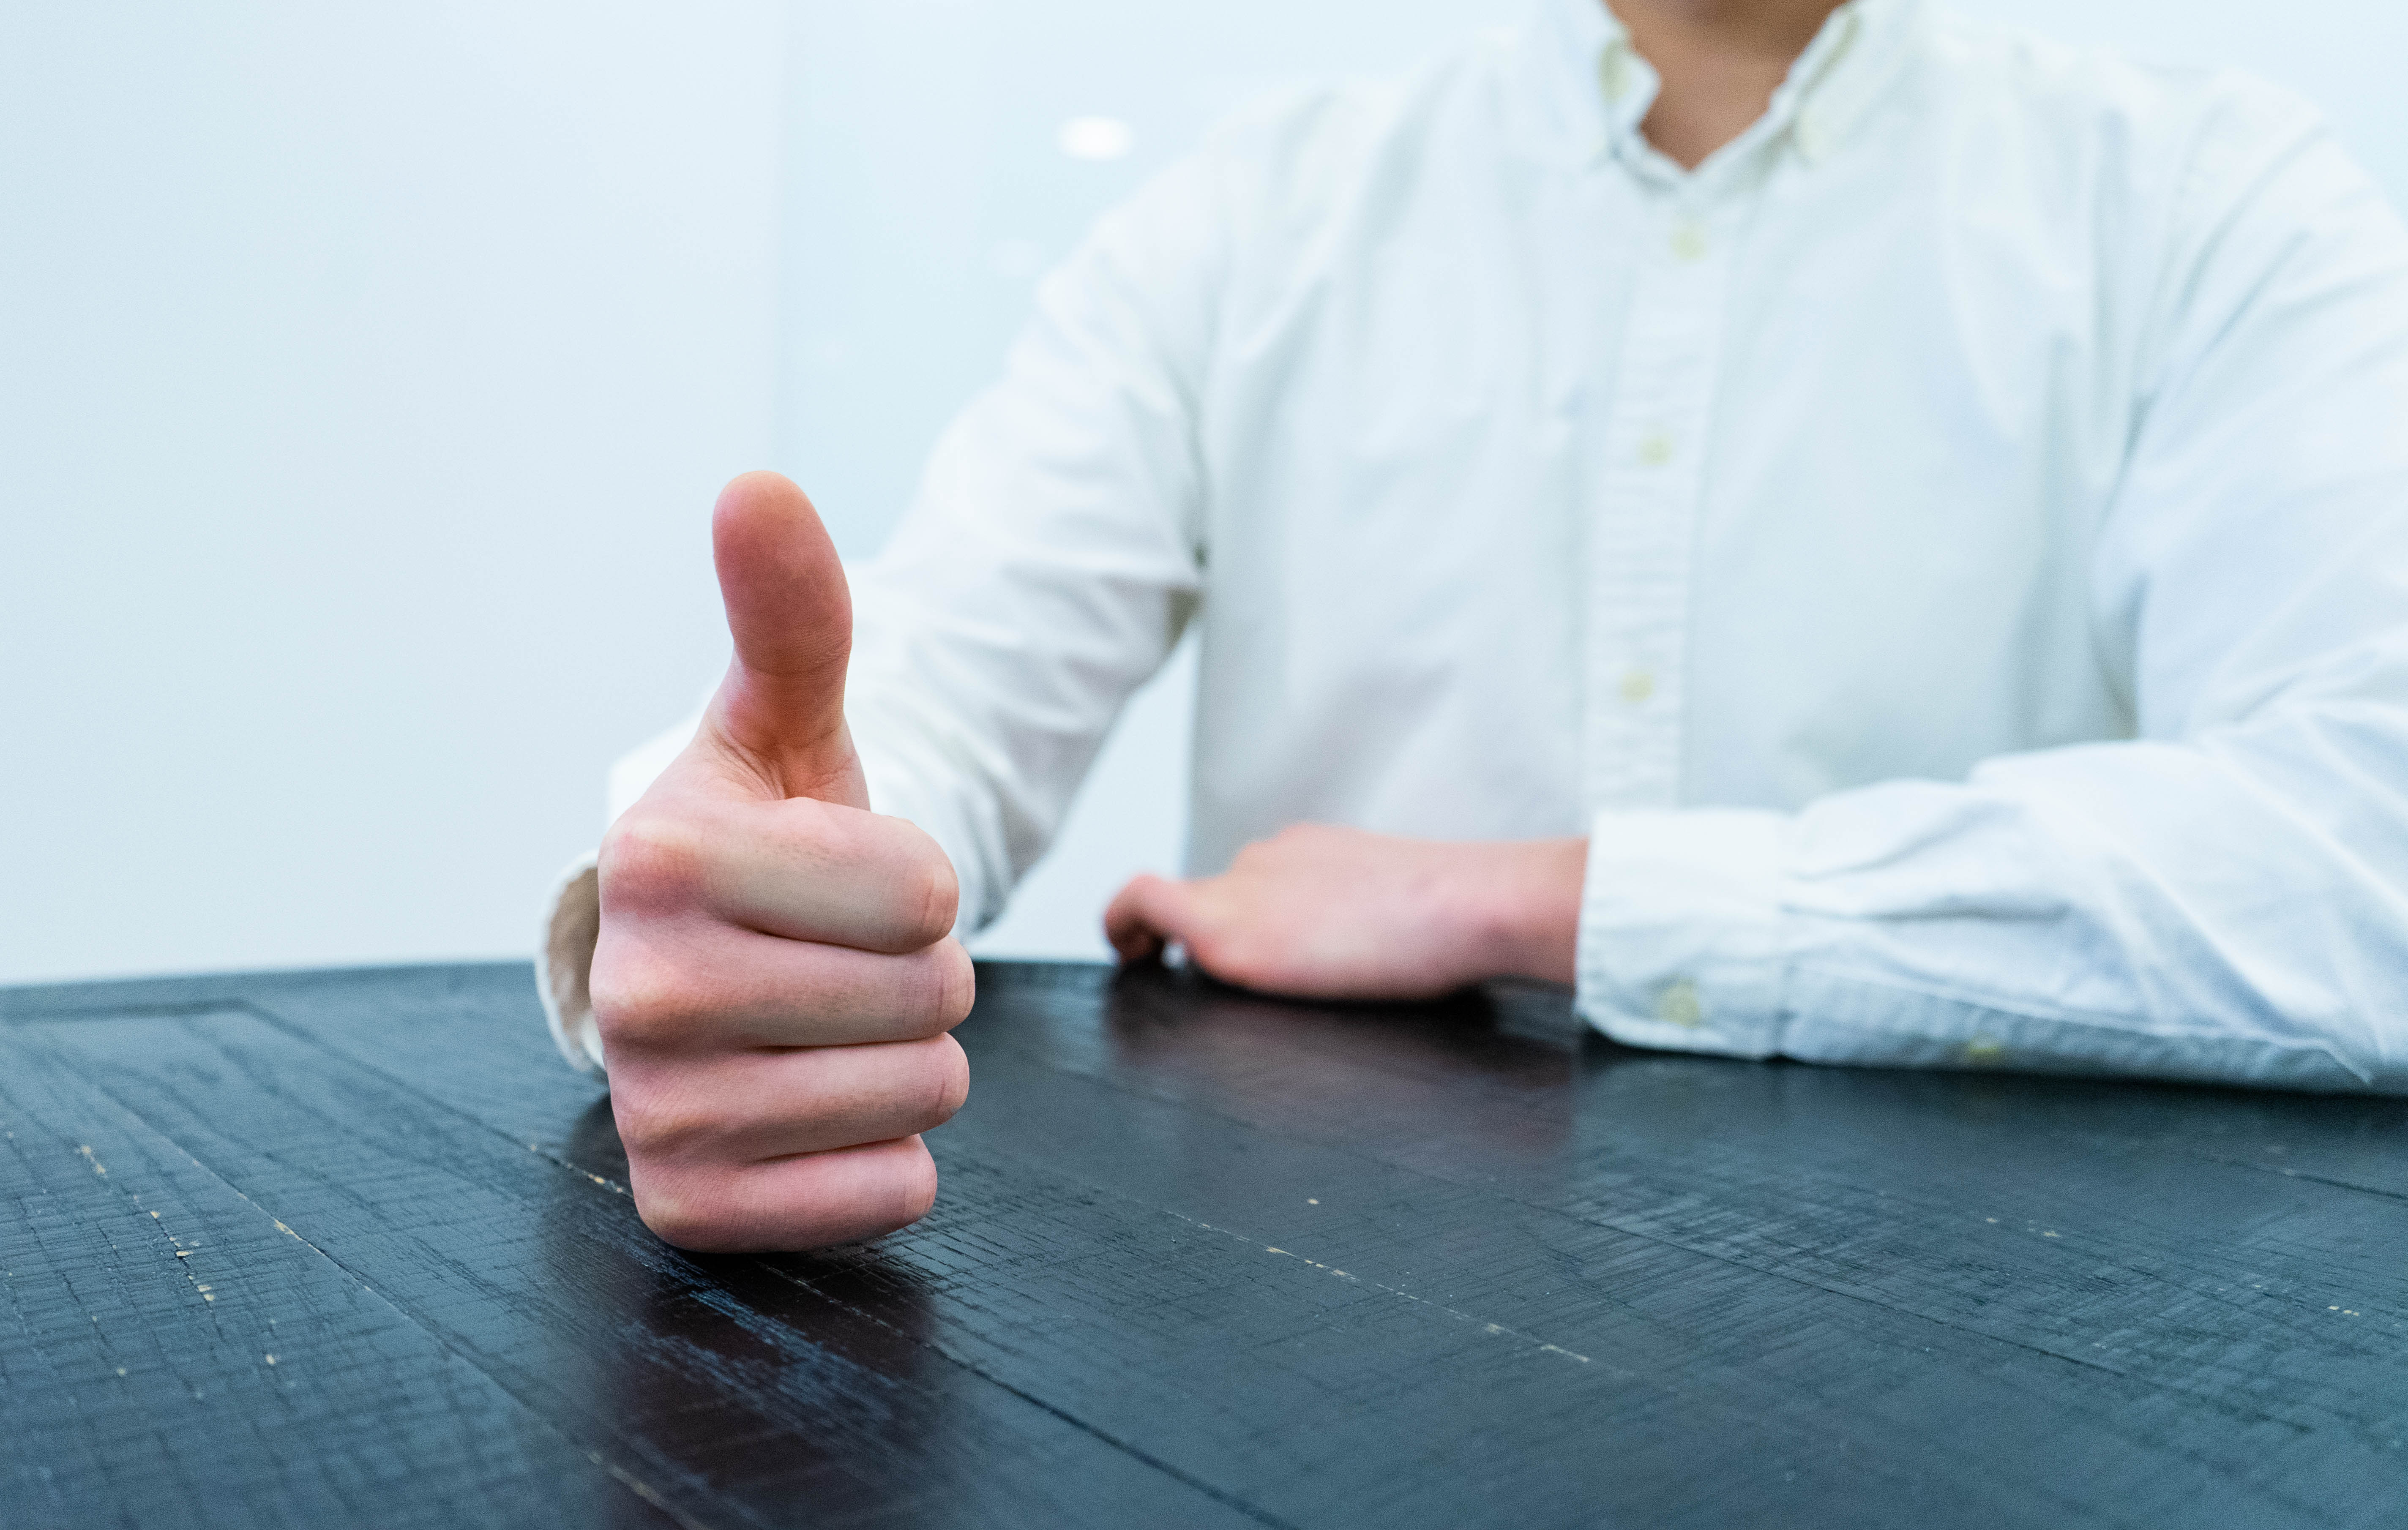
[200,1288]
[643,1490]
[1539,1345]
[613,1186]
[298,1239]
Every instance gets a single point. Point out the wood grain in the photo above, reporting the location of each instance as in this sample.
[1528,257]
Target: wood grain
[1201,1258]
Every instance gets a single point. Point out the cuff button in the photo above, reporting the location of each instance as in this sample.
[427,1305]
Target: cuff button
[1678,1004]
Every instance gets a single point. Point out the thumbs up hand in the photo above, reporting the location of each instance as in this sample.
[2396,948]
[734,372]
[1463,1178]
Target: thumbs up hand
[774,979]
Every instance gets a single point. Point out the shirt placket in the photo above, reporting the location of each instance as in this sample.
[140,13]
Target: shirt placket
[1650,479]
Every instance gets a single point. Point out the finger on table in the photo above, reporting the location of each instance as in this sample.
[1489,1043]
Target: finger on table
[1149,913]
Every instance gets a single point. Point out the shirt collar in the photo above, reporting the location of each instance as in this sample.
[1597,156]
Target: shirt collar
[1594,90]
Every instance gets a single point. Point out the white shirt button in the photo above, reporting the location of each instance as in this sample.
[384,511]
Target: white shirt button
[1678,1004]
[1688,240]
[1638,685]
[1615,72]
[1656,450]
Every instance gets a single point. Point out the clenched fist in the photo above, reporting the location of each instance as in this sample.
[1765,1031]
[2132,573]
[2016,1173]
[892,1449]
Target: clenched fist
[774,977]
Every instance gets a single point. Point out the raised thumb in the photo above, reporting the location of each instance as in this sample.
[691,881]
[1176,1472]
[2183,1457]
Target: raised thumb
[782,703]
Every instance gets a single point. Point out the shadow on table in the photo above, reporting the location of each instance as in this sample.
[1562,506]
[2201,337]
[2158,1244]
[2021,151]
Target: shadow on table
[1494,1072]
[1509,1079]
[775,1382]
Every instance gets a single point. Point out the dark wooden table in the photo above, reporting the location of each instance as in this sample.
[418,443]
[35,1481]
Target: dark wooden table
[352,1248]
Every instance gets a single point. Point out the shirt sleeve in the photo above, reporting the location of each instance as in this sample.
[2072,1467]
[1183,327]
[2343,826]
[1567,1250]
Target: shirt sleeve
[1053,552]
[2223,896]
[1045,571]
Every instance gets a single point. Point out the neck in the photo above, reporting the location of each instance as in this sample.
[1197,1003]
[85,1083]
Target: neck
[1719,62]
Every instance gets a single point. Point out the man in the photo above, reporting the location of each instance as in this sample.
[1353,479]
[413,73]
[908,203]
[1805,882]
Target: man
[1840,534]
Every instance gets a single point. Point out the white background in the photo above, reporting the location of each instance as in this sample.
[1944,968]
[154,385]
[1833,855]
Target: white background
[367,373]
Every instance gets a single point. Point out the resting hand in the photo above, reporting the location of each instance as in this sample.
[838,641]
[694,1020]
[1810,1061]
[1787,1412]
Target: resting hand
[1324,912]
[774,976]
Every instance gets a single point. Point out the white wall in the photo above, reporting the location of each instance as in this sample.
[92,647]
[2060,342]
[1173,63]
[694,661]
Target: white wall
[361,368]
[365,377]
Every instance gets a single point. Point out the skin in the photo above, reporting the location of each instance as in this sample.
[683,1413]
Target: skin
[1719,62]
[1319,911]
[774,979]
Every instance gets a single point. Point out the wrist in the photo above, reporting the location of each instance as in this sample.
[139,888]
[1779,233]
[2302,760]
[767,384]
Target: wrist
[1525,909]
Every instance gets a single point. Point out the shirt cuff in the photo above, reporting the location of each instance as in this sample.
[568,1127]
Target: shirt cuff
[572,920]
[1683,943]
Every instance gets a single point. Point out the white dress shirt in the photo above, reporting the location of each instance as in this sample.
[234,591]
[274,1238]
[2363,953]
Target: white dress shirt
[1946,551]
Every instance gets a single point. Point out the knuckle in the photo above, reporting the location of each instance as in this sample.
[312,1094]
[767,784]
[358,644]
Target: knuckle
[1208,950]
[913,1188]
[1210,923]
[920,1190]
[947,1081]
[940,988]
[640,1002]
[654,1129]
[1296,840]
[666,1113]
[1316,836]
[681,1212]
[1233,959]
[649,858]
[933,896]
[960,989]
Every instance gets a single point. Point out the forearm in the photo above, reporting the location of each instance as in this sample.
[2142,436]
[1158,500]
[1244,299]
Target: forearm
[2148,908]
